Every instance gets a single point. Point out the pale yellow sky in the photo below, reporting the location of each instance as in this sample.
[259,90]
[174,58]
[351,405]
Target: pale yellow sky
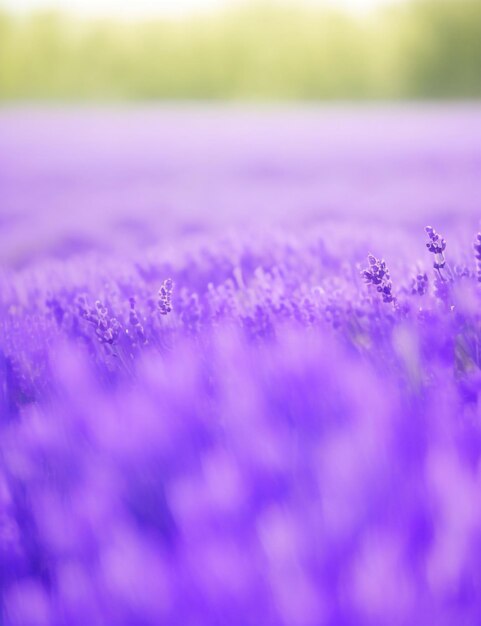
[146,8]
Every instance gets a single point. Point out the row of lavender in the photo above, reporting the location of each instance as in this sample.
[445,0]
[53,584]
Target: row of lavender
[116,308]
[253,431]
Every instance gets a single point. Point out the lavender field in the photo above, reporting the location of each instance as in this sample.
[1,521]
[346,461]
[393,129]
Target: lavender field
[239,378]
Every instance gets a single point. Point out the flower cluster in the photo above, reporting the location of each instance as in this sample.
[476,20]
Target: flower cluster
[377,274]
[437,245]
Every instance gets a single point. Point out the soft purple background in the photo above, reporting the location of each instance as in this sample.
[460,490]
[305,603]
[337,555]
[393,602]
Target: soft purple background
[71,178]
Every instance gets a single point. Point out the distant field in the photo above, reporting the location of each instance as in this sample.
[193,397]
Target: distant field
[124,177]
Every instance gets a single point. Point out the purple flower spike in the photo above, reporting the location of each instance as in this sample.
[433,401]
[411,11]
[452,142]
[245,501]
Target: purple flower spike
[436,245]
[165,297]
[377,274]
[477,249]
[137,327]
[107,329]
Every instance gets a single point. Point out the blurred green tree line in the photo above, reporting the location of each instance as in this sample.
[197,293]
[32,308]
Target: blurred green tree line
[420,49]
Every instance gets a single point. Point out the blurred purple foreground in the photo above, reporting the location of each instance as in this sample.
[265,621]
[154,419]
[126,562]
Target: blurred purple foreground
[240,385]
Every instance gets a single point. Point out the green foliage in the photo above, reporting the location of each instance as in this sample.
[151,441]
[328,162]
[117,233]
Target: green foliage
[423,49]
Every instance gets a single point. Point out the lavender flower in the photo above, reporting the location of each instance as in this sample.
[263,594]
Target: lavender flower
[436,245]
[443,281]
[377,274]
[134,321]
[477,250]
[107,329]
[164,302]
